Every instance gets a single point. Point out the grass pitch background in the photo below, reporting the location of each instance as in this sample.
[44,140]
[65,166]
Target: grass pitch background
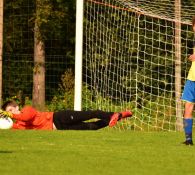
[100,152]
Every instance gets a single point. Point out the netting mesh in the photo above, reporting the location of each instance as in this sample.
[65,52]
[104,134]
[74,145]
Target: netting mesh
[130,60]
[160,8]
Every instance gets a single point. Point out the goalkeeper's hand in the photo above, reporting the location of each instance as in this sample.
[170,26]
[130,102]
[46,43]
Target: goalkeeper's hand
[5,114]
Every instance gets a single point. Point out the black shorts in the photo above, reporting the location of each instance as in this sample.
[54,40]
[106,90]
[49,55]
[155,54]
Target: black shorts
[76,120]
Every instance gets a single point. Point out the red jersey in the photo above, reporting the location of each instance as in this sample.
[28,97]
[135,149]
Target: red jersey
[30,118]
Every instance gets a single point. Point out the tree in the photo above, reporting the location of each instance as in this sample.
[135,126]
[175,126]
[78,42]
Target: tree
[49,17]
[27,25]
[39,59]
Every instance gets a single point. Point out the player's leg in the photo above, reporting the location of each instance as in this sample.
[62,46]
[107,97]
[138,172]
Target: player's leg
[64,118]
[189,98]
[70,117]
[188,122]
[85,125]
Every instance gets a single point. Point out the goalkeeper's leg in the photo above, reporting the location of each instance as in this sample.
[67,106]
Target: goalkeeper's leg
[69,117]
[84,125]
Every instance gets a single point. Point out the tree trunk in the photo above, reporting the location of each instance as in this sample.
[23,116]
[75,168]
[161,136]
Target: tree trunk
[39,70]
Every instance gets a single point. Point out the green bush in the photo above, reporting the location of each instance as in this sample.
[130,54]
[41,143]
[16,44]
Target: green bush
[64,97]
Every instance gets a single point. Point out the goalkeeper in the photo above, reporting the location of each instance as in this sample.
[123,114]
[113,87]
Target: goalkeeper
[189,96]
[29,118]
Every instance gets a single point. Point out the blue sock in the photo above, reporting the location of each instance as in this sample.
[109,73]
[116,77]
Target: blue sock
[188,123]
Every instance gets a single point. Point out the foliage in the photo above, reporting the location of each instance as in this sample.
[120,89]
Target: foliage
[64,98]
[58,31]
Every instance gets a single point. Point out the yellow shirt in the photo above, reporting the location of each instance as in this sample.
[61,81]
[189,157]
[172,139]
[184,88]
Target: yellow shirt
[191,74]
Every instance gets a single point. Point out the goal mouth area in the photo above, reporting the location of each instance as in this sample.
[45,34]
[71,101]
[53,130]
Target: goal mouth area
[134,57]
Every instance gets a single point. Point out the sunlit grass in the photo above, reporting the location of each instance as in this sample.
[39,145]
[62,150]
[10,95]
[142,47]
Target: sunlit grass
[94,152]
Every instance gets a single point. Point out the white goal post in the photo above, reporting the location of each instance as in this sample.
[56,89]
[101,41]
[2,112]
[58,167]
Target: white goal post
[78,55]
[135,57]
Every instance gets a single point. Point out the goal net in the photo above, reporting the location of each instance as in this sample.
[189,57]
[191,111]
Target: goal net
[135,57]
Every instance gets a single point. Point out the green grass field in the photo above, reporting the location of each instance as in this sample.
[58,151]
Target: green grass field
[94,153]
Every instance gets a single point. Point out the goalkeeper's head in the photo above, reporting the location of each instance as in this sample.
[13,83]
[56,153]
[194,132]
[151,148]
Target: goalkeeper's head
[11,106]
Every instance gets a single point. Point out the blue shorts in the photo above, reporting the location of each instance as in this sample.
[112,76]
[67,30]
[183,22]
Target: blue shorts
[189,91]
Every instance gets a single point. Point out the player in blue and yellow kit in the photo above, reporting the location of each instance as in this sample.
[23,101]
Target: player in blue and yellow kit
[189,97]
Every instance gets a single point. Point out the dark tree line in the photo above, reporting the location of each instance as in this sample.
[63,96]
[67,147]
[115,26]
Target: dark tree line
[39,39]
[39,45]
